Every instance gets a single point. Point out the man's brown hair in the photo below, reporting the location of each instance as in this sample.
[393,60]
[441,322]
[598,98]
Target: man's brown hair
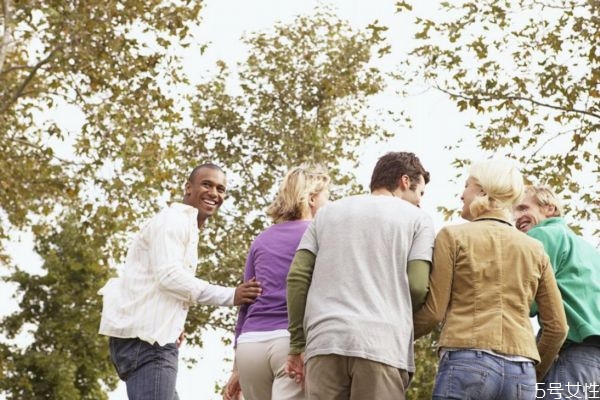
[392,166]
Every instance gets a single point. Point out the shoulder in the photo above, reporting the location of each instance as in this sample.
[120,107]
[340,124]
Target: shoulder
[456,229]
[546,233]
[174,217]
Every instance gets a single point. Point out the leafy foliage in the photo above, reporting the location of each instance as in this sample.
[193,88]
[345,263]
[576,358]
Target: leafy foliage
[59,313]
[301,95]
[528,73]
[107,65]
[426,360]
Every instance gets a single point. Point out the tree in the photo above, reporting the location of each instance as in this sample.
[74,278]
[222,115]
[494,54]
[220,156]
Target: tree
[111,65]
[528,73]
[301,95]
[59,313]
[426,361]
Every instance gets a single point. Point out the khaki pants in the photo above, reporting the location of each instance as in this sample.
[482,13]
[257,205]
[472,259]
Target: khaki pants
[261,368]
[335,377]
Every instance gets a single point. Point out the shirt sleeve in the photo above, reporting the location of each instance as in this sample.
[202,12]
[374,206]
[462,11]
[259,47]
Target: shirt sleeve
[168,243]
[553,320]
[551,250]
[440,286]
[422,244]
[298,282]
[418,282]
[309,239]
[215,295]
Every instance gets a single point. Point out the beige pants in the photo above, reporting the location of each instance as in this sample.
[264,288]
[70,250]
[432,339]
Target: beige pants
[261,368]
[335,377]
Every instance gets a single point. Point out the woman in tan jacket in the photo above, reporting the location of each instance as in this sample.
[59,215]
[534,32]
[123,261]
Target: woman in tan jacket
[485,276]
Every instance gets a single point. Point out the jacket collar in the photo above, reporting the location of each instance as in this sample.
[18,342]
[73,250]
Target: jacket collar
[497,215]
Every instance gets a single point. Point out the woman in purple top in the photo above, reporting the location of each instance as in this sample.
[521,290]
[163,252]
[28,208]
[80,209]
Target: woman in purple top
[261,336]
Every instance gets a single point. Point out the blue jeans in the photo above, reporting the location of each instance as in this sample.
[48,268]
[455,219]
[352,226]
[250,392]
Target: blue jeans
[574,375]
[149,371]
[476,375]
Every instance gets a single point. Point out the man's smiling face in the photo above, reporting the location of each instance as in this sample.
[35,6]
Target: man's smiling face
[528,214]
[206,192]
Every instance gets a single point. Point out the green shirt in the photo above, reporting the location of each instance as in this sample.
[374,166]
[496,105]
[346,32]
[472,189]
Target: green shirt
[576,265]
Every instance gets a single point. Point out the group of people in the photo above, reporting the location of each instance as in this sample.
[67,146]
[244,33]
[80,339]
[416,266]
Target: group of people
[335,293]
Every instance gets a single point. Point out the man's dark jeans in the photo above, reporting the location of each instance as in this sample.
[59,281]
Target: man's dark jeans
[149,371]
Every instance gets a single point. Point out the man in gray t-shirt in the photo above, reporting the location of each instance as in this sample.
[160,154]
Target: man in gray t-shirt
[361,269]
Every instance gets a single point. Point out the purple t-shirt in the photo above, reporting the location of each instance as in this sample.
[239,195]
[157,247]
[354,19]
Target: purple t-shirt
[269,261]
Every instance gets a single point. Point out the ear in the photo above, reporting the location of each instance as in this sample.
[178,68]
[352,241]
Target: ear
[188,191]
[404,182]
[549,211]
[311,200]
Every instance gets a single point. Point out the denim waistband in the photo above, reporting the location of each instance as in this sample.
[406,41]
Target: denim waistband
[593,341]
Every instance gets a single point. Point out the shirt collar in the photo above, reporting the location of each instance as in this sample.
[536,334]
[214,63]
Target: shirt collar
[185,208]
[551,221]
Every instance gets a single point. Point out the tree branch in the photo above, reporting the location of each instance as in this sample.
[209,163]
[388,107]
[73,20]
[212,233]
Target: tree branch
[491,96]
[41,148]
[31,75]
[544,4]
[559,134]
[15,68]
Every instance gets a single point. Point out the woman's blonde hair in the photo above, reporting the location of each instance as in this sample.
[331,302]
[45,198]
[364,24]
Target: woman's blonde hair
[502,184]
[294,193]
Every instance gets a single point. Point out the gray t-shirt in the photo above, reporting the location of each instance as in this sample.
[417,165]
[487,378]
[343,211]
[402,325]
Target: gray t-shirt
[358,303]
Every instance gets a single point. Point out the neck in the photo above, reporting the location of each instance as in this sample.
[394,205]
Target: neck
[383,192]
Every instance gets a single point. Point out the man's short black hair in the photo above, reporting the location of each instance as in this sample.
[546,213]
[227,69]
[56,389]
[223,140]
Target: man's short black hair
[205,165]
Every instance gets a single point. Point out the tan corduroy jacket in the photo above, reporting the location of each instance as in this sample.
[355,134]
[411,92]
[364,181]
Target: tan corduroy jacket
[484,278]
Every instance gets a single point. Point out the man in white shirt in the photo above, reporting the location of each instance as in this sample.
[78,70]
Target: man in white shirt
[145,308]
[360,271]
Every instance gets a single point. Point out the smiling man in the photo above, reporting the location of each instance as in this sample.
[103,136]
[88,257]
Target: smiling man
[145,308]
[576,265]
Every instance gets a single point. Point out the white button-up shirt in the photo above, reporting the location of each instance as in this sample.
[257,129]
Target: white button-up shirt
[150,299]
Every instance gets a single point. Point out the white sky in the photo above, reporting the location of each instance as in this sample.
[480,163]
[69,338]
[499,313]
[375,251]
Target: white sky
[436,123]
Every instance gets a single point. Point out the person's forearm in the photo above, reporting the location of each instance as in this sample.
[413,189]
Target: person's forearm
[440,286]
[418,281]
[298,283]
[177,282]
[216,295]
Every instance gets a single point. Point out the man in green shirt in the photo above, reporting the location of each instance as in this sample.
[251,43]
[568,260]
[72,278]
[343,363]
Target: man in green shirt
[576,263]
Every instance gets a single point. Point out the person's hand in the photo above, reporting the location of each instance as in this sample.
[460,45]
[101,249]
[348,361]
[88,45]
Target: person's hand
[233,390]
[294,368]
[247,292]
[180,339]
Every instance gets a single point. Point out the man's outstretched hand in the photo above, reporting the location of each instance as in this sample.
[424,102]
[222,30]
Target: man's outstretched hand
[247,292]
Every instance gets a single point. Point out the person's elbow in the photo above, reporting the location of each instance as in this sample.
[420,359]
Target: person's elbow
[562,329]
[418,295]
[426,319]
